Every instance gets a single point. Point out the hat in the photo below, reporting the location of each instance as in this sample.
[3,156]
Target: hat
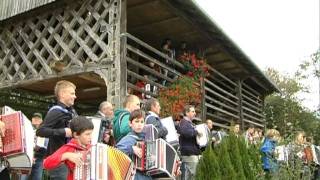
[37,115]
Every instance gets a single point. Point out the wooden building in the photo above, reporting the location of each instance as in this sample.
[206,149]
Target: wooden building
[100,46]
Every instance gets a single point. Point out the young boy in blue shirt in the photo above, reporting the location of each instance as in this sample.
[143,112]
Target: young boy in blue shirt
[128,143]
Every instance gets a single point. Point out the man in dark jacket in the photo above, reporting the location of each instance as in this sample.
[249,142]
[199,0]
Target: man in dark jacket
[56,123]
[190,150]
[153,108]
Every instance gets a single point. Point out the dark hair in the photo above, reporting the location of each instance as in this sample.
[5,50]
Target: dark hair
[250,126]
[138,113]
[80,124]
[187,109]
[150,102]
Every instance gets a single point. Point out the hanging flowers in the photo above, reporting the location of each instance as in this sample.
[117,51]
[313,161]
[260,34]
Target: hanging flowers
[183,91]
[195,67]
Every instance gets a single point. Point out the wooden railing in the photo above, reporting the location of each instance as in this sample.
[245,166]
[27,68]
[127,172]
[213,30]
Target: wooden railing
[224,100]
[147,64]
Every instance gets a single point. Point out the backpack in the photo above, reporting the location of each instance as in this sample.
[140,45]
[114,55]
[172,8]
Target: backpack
[117,125]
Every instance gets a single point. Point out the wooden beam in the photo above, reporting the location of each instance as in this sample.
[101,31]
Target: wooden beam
[139,5]
[93,78]
[149,25]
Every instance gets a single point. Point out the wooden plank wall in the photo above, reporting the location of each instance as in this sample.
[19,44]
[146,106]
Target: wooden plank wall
[9,8]
[228,100]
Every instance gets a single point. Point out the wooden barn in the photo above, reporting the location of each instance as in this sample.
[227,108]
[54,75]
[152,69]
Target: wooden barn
[103,46]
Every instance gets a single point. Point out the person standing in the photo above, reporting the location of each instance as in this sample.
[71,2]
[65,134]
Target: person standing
[39,150]
[56,124]
[270,164]
[106,114]
[121,117]
[153,108]
[128,144]
[190,150]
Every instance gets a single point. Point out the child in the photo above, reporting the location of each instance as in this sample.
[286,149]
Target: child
[81,129]
[128,143]
[270,164]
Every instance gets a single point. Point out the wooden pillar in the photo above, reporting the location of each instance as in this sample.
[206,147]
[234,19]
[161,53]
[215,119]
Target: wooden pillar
[117,84]
[239,95]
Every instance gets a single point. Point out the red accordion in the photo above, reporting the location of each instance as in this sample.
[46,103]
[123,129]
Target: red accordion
[105,163]
[17,142]
[159,159]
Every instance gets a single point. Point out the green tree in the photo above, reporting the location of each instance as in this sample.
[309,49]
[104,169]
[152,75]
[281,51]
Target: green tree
[284,110]
[208,167]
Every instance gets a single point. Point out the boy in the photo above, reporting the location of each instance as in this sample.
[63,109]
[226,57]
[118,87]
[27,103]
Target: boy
[128,143]
[81,129]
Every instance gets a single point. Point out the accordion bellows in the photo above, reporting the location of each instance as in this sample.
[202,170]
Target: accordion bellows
[104,162]
[120,164]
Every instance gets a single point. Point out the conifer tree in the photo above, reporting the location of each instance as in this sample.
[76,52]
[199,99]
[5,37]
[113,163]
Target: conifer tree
[226,167]
[208,167]
[246,159]
[235,156]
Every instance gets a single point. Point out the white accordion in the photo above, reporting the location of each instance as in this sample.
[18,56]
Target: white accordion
[172,136]
[202,140]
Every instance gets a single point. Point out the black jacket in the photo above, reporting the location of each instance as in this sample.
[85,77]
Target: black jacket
[53,126]
[187,138]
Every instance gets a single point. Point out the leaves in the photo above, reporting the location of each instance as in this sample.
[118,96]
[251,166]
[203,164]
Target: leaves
[183,91]
[285,112]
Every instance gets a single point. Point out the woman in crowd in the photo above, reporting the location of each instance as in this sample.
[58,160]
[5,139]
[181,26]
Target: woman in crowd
[270,165]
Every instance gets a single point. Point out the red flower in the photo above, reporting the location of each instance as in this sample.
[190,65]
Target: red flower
[190,74]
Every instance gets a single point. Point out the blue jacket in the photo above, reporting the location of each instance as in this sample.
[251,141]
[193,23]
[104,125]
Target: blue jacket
[268,160]
[125,145]
[187,138]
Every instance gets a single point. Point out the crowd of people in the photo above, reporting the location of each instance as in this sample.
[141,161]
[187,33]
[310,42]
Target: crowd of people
[65,131]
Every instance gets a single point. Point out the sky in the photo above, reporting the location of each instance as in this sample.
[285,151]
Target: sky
[280,34]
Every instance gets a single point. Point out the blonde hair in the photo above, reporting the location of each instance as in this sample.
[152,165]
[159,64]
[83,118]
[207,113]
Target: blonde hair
[271,133]
[129,99]
[209,120]
[63,84]
[296,139]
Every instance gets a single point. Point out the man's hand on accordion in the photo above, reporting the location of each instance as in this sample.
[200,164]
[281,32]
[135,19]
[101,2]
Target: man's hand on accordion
[76,158]
[137,151]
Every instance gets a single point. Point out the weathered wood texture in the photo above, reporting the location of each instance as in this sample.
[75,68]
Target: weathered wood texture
[227,100]
[224,99]
[9,8]
[74,39]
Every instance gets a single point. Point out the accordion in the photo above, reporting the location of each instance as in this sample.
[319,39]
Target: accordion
[202,140]
[105,163]
[282,153]
[17,142]
[172,136]
[150,132]
[159,159]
